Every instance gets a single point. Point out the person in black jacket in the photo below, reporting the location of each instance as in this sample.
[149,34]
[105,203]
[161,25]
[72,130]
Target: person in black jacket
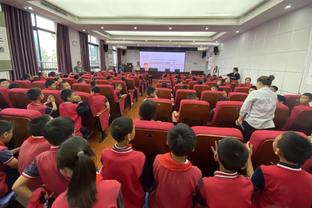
[234,75]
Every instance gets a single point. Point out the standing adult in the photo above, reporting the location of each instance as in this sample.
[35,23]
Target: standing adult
[258,109]
[234,75]
[78,69]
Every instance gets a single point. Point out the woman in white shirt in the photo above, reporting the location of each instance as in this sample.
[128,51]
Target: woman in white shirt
[258,109]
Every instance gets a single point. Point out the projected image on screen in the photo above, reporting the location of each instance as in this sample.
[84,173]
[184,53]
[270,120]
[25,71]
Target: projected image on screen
[162,60]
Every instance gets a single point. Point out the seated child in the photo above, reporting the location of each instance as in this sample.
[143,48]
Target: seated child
[175,177]
[50,84]
[81,81]
[8,163]
[125,165]
[4,83]
[285,184]
[120,90]
[65,85]
[252,88]
[73,108]
[151,93]
[189,96]
[247,82]
[75,161]
[232,156]
[281,98]
[58,80]
[35,96]
[305,99]
[44,166]
[147,110]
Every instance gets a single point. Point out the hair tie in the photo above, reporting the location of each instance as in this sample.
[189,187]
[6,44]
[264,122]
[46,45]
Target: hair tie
[80,153]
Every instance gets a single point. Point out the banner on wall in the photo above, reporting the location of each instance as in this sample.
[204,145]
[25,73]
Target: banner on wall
[5,58]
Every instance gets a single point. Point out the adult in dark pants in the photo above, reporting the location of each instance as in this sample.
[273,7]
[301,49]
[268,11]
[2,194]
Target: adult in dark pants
[258,109]
[234,75]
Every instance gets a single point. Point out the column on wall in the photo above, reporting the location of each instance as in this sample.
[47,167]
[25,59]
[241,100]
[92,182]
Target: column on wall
[102,55]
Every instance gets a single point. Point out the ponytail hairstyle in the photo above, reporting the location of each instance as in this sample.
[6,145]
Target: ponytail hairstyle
[266,80]
[76,154]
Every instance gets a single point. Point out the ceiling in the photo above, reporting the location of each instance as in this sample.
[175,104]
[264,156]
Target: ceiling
[185,23]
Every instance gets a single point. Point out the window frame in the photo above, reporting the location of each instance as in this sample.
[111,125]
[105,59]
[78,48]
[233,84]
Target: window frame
[98,58]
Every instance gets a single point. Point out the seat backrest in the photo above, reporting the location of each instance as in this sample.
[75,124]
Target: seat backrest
[237,96]
[103,82]
[211,97]
[181,94]
[192,83]
[158,85]
[200,87]
[226,113]
[281,116]
[18,97]
[291,101]
[163,109]
[164,93]
[203,157]
[21,119]
[108,91]
[38,84]
[179,86]
[55,93]
[123,84]
[23,83]
[151,137]
[300,119]
[130,83]
[5,101]
[194,112]
[81,87]
[242,89]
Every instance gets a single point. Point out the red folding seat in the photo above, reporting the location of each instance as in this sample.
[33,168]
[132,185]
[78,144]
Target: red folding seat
[18,97]
[117,104]
[151,137]
[71,81]
[192,83]
[181,94]
[164,93]
[194,112]
[5,101]
[163,109]
[39,84]
[262,141]
[131,87]
[55,93]
[23,83]
[99,110]
[212,97]
[300,119]
[168,81]
[158,85]
[101,82]
[180,86]
[227,89]
[291,101]
[20,118]
[242,89]
[209,83]
[237,96]
[226,113]
[281,116]
[203,157]
[200,87]
[81,87]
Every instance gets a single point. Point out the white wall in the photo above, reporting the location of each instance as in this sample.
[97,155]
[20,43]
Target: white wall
[74,46]
[193,59]
[281,47]
[5,75]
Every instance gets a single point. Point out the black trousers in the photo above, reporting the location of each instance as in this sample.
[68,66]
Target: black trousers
[248,130]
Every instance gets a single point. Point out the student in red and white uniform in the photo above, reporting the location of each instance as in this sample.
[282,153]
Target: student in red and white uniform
[285,184]
[125,165]
[75,162]
[232,155]
[73,107]
[176,179]
[36,97]
[44,166]
[8,163]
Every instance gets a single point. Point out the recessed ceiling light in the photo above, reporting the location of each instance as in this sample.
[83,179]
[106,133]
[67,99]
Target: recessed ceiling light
[135,28]
[206,28]
[83,30]
[237,31]
[102,28]
[30,8]
[170,28]
[288,6]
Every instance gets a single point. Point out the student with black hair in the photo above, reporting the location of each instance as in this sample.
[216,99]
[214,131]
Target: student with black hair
[285,184]
[163,85]
[281,99]
[4,83]
[258,108]
[126,165]
[35,96]
[175,177]
[74,108]
[200,82]
[50,84]
[13,85]
[252,88]
[147,110]
[44,166]
[234,75]
[75,161]
[8,163]
[151,93]
[305,99]
[81,81]
[274,88]
[232,156]
[93,83]
[76,76]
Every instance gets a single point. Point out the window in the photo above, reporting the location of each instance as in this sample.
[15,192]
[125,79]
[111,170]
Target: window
[114,50]
[45,43]
[93,44]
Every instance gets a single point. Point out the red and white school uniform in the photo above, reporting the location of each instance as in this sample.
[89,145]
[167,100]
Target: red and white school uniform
[69,110]
[227,190]
[175,182]
[107,192]
[42,108]
[5,157]
[126,166]
[282,185]
[45,167]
